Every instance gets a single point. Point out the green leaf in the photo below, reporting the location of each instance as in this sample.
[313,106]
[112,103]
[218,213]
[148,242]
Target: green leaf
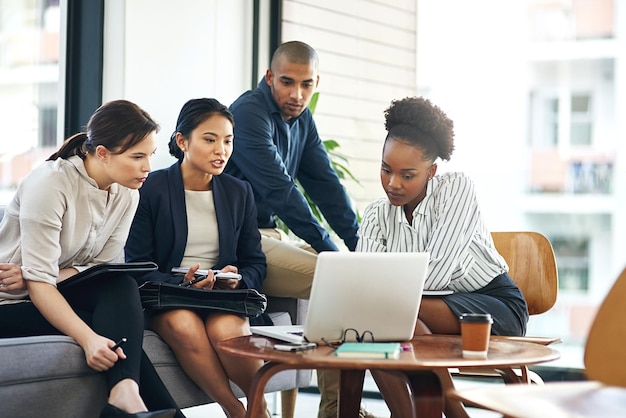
[330,144]
[313,102]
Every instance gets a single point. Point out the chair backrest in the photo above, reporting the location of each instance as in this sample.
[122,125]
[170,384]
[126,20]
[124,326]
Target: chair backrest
[532,266]
[605,351]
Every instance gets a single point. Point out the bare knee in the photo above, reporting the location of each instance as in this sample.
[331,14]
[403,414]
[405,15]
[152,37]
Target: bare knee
[224,326]
[178,325]
[437,317]
[421,328]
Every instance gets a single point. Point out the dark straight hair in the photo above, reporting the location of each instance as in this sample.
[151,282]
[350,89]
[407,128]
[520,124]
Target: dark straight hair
[117,125]
[193,113]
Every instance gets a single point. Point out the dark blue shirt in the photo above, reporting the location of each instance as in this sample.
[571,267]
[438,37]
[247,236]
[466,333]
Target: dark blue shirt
[271,153]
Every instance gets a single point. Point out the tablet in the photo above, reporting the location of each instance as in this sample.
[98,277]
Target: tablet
[218,274]
[101,270]
[437,292]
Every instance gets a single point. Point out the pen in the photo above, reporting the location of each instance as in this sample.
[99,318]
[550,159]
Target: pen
[190,282]
[119,343]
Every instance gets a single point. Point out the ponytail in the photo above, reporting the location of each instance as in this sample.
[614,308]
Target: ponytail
[175,151]
[116,125]
[74,145]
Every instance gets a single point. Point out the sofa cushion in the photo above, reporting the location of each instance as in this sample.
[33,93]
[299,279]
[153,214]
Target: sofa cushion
[48,376]
[185,391]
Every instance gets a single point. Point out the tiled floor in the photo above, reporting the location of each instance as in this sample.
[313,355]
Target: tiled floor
[306,405]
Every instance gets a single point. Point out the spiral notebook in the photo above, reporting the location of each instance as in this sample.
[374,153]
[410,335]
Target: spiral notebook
[375,292]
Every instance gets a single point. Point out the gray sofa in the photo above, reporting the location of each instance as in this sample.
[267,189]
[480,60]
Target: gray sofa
[47,376]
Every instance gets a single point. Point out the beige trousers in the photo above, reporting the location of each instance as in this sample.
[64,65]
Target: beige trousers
[290,268]
[290,265]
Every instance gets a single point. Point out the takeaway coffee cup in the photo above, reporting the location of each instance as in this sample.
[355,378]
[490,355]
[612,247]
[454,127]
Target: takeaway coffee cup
[475,332]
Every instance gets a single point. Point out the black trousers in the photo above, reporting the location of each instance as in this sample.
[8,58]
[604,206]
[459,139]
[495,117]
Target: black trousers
[111,306]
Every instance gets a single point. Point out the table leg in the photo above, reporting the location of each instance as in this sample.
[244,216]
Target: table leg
[427,393]
[509,376]
[257,388]
[350,393]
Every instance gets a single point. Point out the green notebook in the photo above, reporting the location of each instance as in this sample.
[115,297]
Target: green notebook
[368,350]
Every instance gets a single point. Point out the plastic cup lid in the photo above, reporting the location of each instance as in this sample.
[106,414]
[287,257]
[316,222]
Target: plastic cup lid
[476,317]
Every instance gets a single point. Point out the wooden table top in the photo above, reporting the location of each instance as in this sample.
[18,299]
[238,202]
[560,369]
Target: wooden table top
[428,352]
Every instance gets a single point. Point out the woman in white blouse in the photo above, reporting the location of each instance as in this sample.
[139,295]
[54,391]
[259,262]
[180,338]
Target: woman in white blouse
[439,215]
[72,212]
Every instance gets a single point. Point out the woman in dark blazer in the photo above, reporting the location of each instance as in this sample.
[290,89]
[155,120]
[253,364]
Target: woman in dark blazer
[192,215]
[159,230]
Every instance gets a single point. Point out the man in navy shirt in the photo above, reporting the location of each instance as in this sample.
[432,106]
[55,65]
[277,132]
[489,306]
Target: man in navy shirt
[276,143]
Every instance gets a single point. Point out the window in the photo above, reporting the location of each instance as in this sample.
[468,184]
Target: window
[573,263]
[551,122]
[581,120]
[48,126]
[29,79]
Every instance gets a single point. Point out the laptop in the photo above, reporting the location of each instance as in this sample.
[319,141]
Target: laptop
[375,292]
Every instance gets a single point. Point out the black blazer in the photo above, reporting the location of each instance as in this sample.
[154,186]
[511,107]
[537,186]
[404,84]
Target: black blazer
[159,229]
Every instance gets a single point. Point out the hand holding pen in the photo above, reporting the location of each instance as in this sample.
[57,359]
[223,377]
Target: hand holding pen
[102,361]
[194,276]
[119,344]
[195,280]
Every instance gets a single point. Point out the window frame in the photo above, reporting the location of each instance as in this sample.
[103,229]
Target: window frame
[83,63]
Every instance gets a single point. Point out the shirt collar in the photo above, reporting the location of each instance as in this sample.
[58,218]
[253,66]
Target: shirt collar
[78,162]
[421,208]
[423,205]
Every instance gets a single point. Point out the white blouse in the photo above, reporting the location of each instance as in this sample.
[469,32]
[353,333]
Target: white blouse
[59,218]
[202,237]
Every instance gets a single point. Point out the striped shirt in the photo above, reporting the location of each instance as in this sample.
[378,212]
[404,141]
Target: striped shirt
[448,225]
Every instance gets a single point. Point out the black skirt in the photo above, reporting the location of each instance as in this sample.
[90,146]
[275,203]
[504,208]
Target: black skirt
[501,298]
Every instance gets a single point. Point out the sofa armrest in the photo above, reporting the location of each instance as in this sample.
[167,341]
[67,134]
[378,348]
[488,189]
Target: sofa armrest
[296,308]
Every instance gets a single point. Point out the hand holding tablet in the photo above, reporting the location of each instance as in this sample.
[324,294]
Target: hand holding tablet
[201,275]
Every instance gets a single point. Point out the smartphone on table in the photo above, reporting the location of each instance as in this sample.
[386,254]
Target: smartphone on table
[295,347]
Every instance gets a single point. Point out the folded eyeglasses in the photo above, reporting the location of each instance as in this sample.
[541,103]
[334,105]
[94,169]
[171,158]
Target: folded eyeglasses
[348,332]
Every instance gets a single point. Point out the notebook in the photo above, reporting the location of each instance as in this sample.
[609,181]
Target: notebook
[101,270]
[375,292]
[369,350]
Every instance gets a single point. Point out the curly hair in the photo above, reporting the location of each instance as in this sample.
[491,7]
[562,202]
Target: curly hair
[418,122]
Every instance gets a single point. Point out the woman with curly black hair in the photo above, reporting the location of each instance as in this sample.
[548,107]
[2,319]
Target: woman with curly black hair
[438,214]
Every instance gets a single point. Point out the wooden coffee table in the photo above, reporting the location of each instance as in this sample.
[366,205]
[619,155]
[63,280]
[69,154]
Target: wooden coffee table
[428,353]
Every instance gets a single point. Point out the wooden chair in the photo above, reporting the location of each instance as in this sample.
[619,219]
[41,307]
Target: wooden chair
[604,395]
[532,265]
